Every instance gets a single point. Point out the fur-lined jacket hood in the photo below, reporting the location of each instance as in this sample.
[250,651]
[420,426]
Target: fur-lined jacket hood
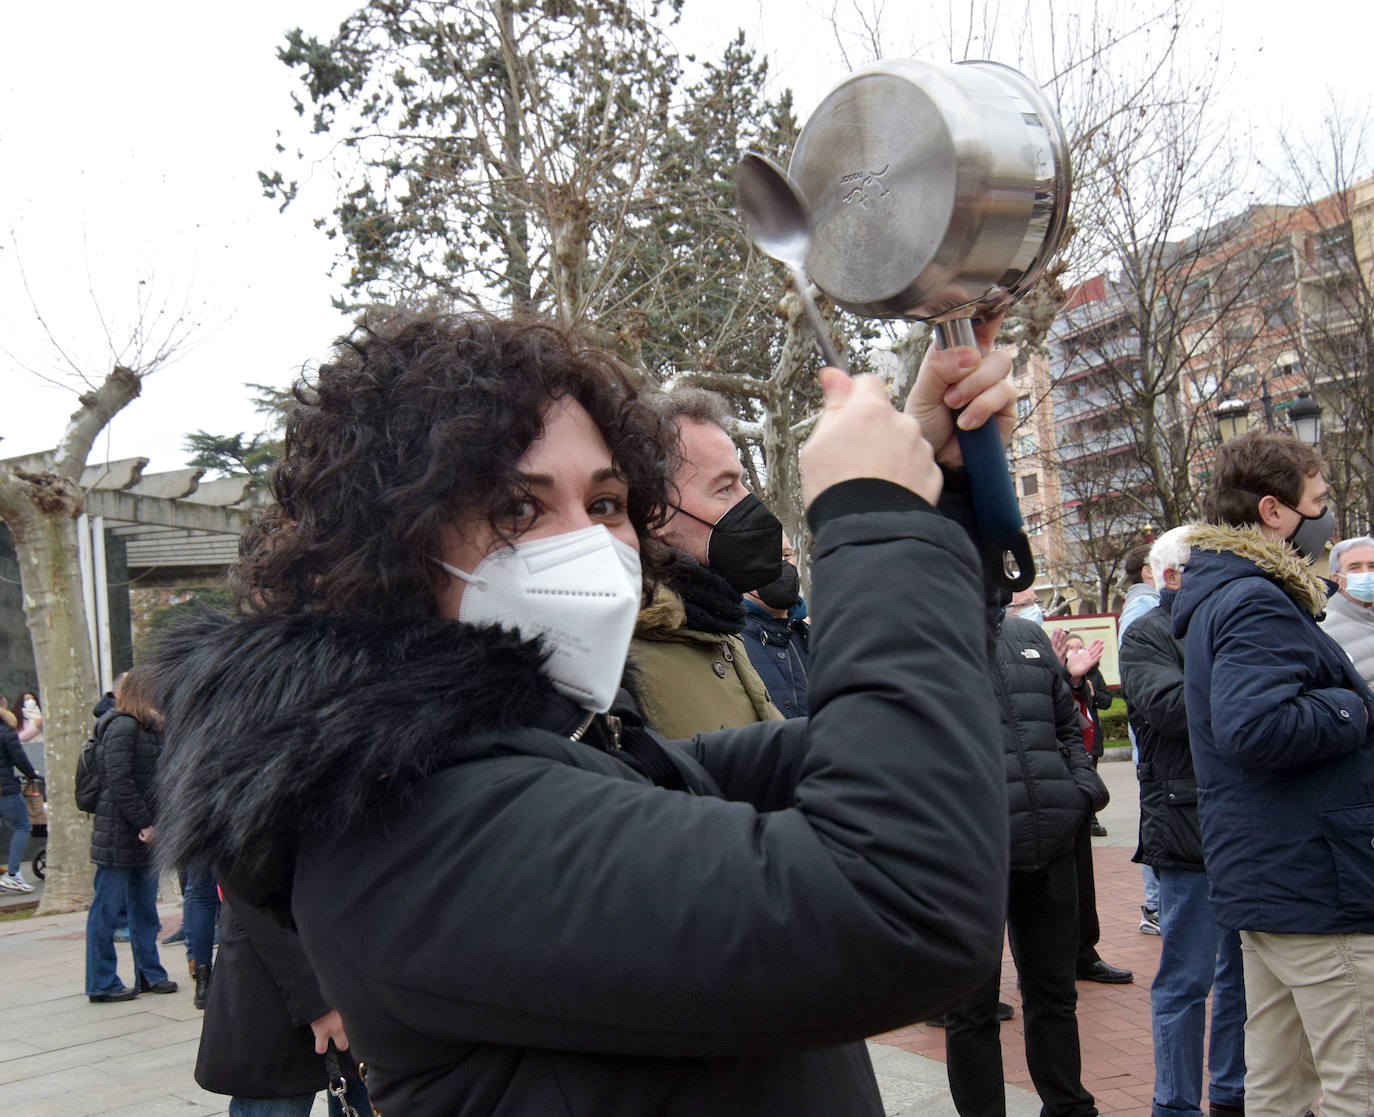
[1220,554]
[280,725]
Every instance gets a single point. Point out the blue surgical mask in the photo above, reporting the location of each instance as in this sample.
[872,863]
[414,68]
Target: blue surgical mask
[1360,585]
[1031,613]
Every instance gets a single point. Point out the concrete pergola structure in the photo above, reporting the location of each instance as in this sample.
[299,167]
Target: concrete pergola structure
[157,530]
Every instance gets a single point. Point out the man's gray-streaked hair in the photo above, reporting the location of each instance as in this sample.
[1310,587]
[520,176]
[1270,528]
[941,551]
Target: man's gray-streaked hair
[686,402]
[1345,545]
[1169,552]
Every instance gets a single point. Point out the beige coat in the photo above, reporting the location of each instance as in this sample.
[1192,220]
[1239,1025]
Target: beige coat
[693,682]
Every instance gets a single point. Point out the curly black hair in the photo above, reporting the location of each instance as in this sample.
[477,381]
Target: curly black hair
[418,422]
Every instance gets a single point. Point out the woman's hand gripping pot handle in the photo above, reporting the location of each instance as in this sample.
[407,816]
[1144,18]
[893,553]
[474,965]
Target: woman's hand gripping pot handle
[860,434]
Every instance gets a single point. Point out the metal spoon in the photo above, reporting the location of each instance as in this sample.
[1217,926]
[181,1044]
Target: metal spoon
[779,222]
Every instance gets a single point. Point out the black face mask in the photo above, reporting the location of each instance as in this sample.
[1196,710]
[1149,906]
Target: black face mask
[784,591]
[1313,533]
[745,546]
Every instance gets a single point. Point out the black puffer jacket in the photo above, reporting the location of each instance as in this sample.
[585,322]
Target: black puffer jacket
[12,758]
[1051,784]
[126,804]
[1152,682]
[513,921]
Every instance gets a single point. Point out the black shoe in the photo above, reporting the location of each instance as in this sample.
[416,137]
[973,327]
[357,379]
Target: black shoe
[166,985]
[934,1022]
[1107,975]
[1097,829]
[123,993]
[179,935]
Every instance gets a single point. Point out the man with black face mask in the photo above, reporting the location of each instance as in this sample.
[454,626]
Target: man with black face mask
[692,672]
[777,636]
[1279,723]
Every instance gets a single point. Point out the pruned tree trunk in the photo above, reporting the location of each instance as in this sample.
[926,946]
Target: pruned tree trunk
[41,511]
[40,507]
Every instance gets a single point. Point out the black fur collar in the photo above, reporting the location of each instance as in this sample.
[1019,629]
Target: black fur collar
[276,726]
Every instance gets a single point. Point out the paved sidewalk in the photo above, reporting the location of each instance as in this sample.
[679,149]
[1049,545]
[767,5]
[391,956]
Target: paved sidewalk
[61,1056]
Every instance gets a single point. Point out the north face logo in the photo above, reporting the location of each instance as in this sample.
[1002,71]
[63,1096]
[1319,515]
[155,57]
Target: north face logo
[1030,653]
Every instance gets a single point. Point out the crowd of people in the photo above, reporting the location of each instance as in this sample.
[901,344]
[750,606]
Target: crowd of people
[659,833]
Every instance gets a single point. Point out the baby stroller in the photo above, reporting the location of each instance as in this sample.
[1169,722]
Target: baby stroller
[36,851]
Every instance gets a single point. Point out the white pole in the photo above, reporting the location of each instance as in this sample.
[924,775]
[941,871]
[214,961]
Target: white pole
[102,602]
[83,559]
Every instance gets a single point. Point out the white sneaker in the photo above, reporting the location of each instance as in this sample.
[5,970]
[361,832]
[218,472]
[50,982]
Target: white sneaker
[15,883]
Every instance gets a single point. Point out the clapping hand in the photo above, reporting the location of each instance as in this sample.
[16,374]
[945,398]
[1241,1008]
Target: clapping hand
[1080,661]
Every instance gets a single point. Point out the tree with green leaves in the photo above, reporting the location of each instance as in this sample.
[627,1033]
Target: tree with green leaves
[254,455]
[554,157]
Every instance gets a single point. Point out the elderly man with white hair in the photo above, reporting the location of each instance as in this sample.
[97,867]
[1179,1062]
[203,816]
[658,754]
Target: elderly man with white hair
[1197,955]
[1350,612]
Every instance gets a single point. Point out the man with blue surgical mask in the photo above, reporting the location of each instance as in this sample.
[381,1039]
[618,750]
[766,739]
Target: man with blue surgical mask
[1350,612]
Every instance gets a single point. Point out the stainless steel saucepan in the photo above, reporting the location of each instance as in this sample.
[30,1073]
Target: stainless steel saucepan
[939,192]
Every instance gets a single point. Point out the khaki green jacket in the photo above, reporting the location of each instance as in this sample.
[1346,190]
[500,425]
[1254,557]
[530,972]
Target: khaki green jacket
[692,682]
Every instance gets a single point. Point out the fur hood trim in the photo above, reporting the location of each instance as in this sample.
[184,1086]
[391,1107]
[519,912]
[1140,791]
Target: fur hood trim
[280,725]
[663,616]
[1289,570]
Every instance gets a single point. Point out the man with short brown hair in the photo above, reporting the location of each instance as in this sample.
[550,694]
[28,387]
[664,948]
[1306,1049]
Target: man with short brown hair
[1279,725]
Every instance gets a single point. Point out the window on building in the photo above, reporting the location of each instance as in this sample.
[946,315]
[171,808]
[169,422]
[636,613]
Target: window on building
[1023,408]
[1030,484]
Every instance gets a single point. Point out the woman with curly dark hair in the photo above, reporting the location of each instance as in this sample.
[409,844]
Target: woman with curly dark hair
[518,897]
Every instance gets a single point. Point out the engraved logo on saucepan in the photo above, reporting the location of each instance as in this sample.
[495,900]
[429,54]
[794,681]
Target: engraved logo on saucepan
[863,186]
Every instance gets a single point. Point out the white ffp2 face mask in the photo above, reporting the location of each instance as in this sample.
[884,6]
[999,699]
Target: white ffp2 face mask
[580,591]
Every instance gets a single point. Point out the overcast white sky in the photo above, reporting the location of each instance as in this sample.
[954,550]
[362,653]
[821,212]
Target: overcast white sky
[131,134]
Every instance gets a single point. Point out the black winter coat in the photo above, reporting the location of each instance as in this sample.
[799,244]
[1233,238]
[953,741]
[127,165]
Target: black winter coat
[1152,681]
[126,805]
[513,918]
[12,758]
[1051,784]
[780,651]
[256,1041]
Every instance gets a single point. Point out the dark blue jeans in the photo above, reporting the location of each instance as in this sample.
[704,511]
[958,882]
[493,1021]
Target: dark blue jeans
[199,905]
[13,811]
[1196,956]
[135,885]
[1042,926]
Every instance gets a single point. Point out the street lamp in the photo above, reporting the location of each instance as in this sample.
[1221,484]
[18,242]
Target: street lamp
[1233,418]
[1305,416]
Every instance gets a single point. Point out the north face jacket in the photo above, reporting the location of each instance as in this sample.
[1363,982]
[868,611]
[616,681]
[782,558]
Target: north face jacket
[1051,784]
[515,911]
[1279,723]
